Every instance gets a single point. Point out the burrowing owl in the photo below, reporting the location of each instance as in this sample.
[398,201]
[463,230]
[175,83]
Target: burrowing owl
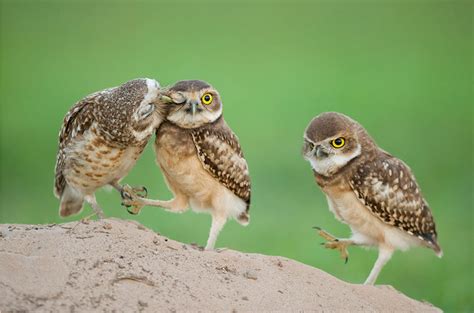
[367,188]
[101,138]
[201,159]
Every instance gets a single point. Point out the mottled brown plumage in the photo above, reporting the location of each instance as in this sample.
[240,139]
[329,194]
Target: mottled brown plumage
[201,158]
[216,144]
[373,192]
[388,188]
[101,138]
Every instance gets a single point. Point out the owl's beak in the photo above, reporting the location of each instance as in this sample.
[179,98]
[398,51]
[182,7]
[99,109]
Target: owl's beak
[194,104]
[320,152]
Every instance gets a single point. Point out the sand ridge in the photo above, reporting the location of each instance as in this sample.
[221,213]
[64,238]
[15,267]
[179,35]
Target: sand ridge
[116,265]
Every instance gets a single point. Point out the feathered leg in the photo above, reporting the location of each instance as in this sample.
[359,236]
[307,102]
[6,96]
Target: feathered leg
[218,223]
[384,256]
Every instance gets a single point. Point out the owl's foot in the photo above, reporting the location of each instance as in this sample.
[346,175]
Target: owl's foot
[129,192]
[335,243]
[132,198]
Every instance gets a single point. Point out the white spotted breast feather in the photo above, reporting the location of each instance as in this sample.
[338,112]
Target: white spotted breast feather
[387,187]
[219,151]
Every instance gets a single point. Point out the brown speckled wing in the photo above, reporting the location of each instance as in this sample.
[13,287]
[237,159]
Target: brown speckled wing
[388,188]
[219,151]
[75,123]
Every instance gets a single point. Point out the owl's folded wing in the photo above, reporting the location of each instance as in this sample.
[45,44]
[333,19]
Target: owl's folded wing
[390,192]
[219,151]
[75,123]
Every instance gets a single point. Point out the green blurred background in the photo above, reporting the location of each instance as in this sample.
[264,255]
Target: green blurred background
[402,69]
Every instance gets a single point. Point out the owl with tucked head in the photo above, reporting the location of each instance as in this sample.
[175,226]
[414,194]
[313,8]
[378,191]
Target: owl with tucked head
[373,192]
[100,140]
[200,158]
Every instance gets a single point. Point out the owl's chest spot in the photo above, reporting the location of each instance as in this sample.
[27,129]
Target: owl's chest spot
[93,163]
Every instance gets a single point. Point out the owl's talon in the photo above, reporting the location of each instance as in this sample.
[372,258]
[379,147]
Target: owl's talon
[335,243]
[325,234]
[133,205]
[130,193]
[141,191]
[340,245]
[133,211]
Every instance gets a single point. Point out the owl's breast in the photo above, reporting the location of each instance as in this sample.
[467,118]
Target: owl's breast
[92,162]
[347,208]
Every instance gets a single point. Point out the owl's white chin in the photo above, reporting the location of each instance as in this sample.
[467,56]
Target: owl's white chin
[331,164]
[187,120]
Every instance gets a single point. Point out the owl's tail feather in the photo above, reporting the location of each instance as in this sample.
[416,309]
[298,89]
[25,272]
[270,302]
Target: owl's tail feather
[433,244]
[243,219]
[72,202]
[437,249]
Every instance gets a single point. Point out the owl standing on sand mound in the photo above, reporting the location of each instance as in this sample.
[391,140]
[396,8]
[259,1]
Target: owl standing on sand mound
[373,192]
[200,158]
[101,138]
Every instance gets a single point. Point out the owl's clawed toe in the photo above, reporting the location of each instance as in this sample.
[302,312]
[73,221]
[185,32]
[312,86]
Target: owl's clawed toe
[340,245]
[129,192]
[325,234]
[197,247]
[132,198]
[133,211]
[335,243]
[133,205]
[143,190]
[219,250]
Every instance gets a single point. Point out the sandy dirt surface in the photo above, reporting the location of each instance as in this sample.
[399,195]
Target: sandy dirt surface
[121,266]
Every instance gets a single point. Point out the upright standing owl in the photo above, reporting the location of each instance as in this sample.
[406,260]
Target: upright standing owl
[201,159]
[101,138]
[367,188]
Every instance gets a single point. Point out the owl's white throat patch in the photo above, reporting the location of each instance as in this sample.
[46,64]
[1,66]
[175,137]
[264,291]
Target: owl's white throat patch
[331,164]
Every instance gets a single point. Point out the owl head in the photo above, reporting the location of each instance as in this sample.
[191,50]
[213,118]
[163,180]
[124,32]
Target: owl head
[131,111]
[332,140]
[193,103]
[147,109]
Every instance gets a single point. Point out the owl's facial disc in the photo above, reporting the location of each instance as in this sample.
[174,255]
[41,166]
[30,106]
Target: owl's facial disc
[194,108]
[328,156]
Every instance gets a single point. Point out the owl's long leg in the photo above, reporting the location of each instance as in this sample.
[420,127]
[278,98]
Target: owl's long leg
[218,223]
[93,203]
[384,256]
[336,243]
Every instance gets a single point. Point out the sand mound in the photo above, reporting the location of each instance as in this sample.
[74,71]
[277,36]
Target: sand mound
[123,266]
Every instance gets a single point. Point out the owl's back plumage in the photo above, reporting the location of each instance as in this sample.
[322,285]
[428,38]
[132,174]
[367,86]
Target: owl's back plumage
[220,154]
[387,187]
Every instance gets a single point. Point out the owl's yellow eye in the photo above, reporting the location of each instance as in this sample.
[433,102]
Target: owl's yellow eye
[206,99]
[338,142]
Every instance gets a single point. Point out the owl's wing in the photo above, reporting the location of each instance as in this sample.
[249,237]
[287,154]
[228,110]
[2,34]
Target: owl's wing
[75,123]
[390,191]
[219,151]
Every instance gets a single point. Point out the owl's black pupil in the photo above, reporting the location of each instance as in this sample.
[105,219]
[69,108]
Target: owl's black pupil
[338,141]
[207,98]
